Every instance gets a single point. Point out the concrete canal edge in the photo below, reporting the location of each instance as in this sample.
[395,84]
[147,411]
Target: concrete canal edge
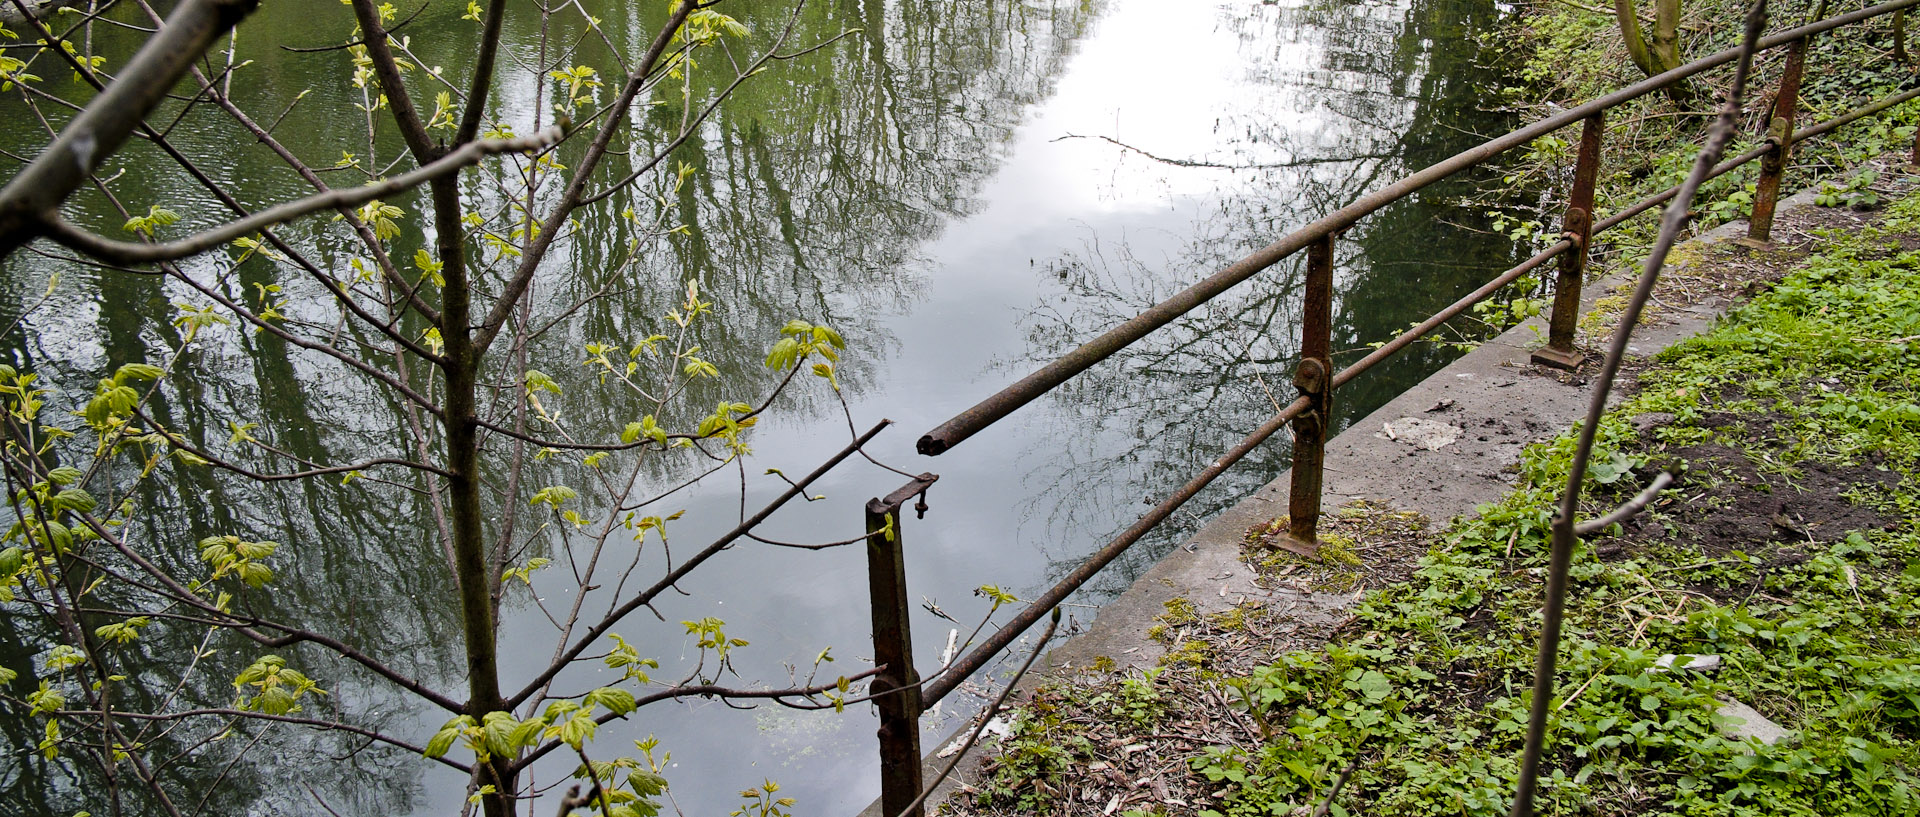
[1456,436]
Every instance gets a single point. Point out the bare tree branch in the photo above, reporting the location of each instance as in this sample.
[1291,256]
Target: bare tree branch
[482,82]
[569,445]
[1565,533]
[336,726]
[540,242]
[705,691]
[674,576]
[387,71]
[112,116]
[124,252]
[176,440]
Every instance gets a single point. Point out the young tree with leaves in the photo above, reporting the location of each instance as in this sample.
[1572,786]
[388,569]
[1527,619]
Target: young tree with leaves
[1655,52]
[447,270]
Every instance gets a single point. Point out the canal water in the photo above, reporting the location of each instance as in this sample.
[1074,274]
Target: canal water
[964,190]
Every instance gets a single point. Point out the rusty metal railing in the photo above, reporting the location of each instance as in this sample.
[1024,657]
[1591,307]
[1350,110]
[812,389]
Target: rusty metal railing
[1310,413]
[896,690]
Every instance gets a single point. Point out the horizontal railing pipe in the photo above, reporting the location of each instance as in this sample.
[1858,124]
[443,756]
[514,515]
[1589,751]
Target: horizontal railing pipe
[1854,115]
[978,657]
[1730,165]
[1045,379]
[973,661]
[1405,339]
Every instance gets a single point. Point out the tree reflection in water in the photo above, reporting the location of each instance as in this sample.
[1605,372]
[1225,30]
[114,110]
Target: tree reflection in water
[816,191]
[810,193]
[1344,98]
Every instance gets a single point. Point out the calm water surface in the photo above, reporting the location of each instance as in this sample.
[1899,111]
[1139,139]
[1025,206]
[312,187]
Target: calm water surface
[965,190]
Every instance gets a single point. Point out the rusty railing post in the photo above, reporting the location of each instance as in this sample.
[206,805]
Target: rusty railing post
[1578,225]
[896,689]
[1900,37]
[1914,157]
[1766,193]
[1314,379]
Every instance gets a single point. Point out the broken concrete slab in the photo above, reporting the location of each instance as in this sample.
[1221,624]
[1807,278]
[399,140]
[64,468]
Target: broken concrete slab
[1431,435]
[1688,663]
[1737,721]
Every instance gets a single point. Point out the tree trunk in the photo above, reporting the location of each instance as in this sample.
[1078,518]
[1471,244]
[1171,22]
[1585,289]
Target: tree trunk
[1629,19]
[477,604]
[1666,35]
[1660,55]
[1900,37]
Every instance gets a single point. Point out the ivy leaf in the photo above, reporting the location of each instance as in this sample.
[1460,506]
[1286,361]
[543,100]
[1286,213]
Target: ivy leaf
[1610,471]
[443,739]
[497,734]
[617,701]
[1375,686]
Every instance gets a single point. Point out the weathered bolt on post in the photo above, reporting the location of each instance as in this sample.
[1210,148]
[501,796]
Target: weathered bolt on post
[896,689]
[1577,227]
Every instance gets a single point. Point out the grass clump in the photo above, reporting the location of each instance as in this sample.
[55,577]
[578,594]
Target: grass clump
[1360,542]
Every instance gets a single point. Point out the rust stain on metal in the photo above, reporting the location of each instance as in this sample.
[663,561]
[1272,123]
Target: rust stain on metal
[1578,224]
[896,690]
[1773,166]
[1313,382]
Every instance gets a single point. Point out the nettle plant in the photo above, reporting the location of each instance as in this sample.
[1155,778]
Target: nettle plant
[406,306]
